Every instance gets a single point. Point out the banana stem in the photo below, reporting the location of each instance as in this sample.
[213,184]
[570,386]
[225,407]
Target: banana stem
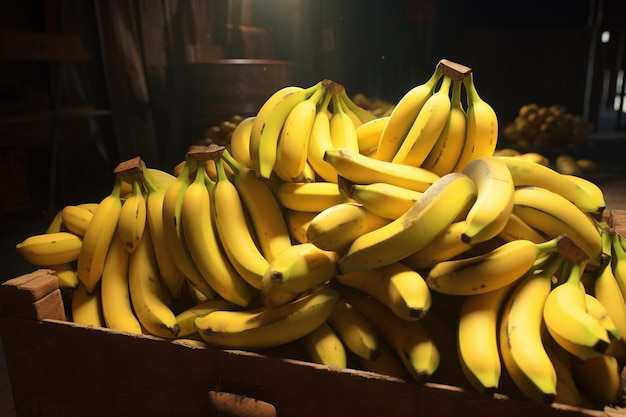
[221,172]
[575,273]
[470,89]
[232,162]
[117,187]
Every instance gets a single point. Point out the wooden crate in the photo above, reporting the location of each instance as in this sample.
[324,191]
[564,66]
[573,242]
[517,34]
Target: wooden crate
[60,368]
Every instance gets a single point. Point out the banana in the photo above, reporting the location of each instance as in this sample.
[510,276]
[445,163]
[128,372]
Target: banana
[294,137]
[146,291]
[447,245]
[133,217]
[515,228]
[175,237]
[407,338]
[336,227]
[265,213]
[383,199]
[481,136]
[203,243]
[618,261]
[426,128]
[298,223]
[240,142]
[56,224]
[362,169]
[264,327]
[551,214]
[404,115]
[117,308]
[591,189]
[171,275]
[186,319]
[320,141]
[266,129]
[521,345]
[368,134]
[356,332]
[325,347]
[477,338]
[232,227]
[606,288]
[567,392]
[492,270]
[568,321]
[86,306]
[527,173]
[76,219]
[445,153]
[98,236]
[363,114]
[297,269]
[599,378]
[398,287]
[342,129]
[309,196]
[430,215]
[66,275]
[50,248]
[160,178]
[386,363]
[494,199]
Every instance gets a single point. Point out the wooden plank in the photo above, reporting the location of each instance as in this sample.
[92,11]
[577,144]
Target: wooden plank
[28,288]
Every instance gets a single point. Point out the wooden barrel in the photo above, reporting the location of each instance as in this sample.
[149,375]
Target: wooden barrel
[219,89]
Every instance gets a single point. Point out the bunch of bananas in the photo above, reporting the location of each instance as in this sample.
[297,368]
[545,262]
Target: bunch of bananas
[411,249]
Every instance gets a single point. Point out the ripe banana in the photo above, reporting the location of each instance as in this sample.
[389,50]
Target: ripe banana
[261,205]
[336,227]
[294,137]
[403,116]
[76,219]
[566,318]
[426,128]
[386,363]
[320,141]
[325,347]
[490,271]
[267,127]
[186,319]
[446,152]
[521,345]
[386,200]
[50,248]
[56,224]
[204,245]
[551,214]
[398,287]
[356,332]
[567,392]
[362,169]
[342,129]
[407,338]
[591,189]
[368,134]
[86,306]
[494,199]
[98,236]
[264,327]
[309,196]
[515,228]
[234,233]
[618,261]
[477,338]
[363,114]
[527,173]
[599,379]
[66,275]
[240,142]
[297,269]
[133,217]
[146,291]
[117,308]
[482,126]
[298,223]
[430,215]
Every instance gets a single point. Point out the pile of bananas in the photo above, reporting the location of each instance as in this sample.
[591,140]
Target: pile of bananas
[537,127]
[399,244]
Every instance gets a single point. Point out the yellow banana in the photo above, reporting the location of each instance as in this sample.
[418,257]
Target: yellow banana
[515,228]
[426,128]
[599,379]
[362,169]
[309,196]
[363,114]
[403,116]
[447,245]
[356,332]
[567,392]
[56,224]
[430,215]
[117,308]
[618,261]
[325,347]
[186,319]
[133,217]
[336,227]
[482,126]
[446,152]
[76,219]
[86,306]
[397,286]
[240,142]
[368,134]
[386,363]
[298,223]
[342,129]
[264,327]
[98,236]
[66,275]
[50,248]
[320,141]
